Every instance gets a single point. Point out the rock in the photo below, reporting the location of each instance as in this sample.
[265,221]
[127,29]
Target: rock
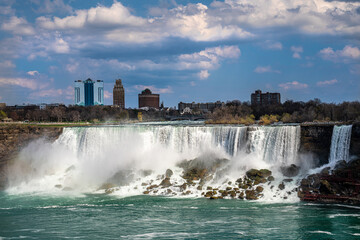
[146,192]
[199,188]
[209,188]
[232,194]
[287,180]
[325,171]
[109,191]
[183,187]
[239,180]
[168,173]
[165,183]
[251,195]
[152,187]
[58,186]
[290,171]
[264,173]
[259,189]
[168,191]
[241,195]
[281,186]
[228,188]
[213,197]
[143,184]
[340,164]
[209,194]
[270,178]
[106,186]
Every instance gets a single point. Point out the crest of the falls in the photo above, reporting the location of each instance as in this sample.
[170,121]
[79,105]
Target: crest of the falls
[340,143]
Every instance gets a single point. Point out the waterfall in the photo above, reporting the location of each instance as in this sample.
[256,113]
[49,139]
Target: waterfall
[275,145]
[83,158]
[340,143]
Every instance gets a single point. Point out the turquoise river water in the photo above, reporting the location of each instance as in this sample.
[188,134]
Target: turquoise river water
[98,216]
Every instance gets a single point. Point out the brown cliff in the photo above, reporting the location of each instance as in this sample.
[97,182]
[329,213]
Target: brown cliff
[15,136]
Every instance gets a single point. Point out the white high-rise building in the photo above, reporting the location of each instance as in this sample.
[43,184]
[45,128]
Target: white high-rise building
[89,92]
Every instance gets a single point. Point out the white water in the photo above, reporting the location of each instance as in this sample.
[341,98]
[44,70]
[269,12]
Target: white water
[84,158]
[340,143]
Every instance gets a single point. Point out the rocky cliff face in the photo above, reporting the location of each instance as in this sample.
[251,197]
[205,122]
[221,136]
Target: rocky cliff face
[14,137]
[340,185]
[316,139]
[355,140]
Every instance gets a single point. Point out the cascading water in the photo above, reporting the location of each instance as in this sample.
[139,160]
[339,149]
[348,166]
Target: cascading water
[136,156]
[340,143]
[275,145]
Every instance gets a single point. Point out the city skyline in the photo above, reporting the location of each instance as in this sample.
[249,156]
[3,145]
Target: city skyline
[200,51]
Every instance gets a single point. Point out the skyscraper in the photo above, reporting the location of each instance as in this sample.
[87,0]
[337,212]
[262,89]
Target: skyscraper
[89,92]
[119,94]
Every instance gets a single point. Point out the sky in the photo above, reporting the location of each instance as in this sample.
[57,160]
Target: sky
[189,51]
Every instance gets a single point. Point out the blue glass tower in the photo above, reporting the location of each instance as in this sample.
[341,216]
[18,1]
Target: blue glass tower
[89,92]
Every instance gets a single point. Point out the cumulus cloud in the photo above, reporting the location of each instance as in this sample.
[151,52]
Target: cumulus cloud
[153,89]
[295,85]
[265,69]
[326,83]
[18,26]
[21,82]
[32,73]
[296,51]
[204,74]
[346,54]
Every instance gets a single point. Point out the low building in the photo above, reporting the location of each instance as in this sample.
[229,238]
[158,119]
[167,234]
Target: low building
[202,107]
[259,98]
[148,99]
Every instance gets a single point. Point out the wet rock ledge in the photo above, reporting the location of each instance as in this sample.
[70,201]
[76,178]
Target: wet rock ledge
[15,136]
[340,185]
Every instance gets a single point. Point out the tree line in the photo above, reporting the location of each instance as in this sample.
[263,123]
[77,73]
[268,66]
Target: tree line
[287,112]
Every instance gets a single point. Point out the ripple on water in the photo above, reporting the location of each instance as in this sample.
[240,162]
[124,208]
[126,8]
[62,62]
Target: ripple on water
[344,215]
[321,232]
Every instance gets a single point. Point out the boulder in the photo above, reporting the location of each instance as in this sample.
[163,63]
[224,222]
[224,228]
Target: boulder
[168,173]
[251,195]
[290,171]
[165,183]
[281,186]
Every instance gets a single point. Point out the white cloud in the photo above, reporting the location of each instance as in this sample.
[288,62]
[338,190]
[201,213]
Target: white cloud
[153,89]
[346,54]
[67,93]
[326,83]
[18,26]
[21,82]
[7,64]
[32,73]
[265,69]
[208,58]
[203,74]
[107,95]
[296,51]
[271,45]
[60,46]
[49,6]
[293,85]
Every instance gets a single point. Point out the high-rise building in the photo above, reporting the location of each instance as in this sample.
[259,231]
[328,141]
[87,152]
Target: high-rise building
[119,94]
[89,92]
[147,99]
[267,98]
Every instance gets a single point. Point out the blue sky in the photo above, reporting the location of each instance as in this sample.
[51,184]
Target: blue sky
[185,50]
